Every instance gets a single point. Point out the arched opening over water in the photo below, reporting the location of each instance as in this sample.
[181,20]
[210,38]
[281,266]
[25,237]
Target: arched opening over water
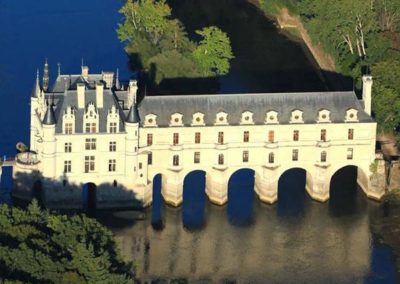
[157,204]
[292,191]
[89,197]
[241,197]
[345,194]
[194,199]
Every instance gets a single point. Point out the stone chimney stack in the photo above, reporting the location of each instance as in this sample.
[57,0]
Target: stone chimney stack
[85,72]
[132,93]
[367,93]
[99,94]
[80,88]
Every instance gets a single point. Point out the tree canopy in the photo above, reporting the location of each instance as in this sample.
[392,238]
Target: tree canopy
[162,45]
[39,247]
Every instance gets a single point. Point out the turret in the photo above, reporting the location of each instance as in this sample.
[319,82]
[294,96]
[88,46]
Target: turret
[34,123]
[49,142]
[46,76]
[367,93]
[132,141]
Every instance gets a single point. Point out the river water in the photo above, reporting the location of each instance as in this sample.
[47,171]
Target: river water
[295,240]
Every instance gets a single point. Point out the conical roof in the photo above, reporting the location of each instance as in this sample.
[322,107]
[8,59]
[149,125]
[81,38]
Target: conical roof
[36,89]
[133,115]
[49,117]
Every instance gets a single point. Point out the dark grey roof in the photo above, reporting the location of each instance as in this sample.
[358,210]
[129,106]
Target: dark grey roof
[259,104]
[36,89]
[49,118]
[133,115]
[70,81]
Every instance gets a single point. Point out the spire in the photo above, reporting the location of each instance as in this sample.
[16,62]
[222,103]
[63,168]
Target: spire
[133,115]
[46,76]
[59,69]
[49,117]
[36,90]
[117,83]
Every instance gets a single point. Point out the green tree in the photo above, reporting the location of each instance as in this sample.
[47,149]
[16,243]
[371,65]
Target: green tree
[213,52]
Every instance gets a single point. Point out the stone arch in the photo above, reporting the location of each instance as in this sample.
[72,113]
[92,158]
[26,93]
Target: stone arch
[362,178]
[89,196]
[309,182]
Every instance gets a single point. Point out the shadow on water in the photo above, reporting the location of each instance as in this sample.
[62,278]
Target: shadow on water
[194,200]
[157,205]
[241,198]
[291,193]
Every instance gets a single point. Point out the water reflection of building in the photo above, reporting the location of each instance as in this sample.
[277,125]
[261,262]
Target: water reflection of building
[90,129]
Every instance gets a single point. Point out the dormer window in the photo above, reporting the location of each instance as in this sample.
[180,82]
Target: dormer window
[297,116]
[150,120]
[324,116]
[113,120]
[351,115]
[69,121]
[247,118]
[91,119]
[176,119]
[271,117]
[221,119]
[198,119]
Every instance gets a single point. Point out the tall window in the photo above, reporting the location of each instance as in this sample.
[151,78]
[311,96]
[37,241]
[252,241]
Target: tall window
[197,138]
[220,137]
[271,158]
[196,157]
[67,166]
[175,160]
[271,136]
[245,156]
[350,134]
[90,127]
[295,135]
[89,164]
[176,139]
[323,135]
[90,144]
[68,147]
[112,165]
[349,153]
[220,159]
[323,156]
[113,146]
[68,128]
[149,139]
[113,127]
[295,155]
[246,136]
[150,158]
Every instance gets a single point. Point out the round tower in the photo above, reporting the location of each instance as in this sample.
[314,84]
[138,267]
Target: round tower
[49,143]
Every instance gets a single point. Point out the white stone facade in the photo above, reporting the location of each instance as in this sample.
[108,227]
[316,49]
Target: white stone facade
[93,140]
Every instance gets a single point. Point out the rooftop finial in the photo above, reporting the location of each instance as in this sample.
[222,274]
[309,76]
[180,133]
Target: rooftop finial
[46,76]
[117,84]
[36,89]
[59,69]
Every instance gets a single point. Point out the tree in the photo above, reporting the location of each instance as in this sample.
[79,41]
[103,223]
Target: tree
[39,247]
[213,52]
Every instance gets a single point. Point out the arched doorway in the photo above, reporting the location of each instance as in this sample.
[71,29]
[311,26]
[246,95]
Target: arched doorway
[292,192]
[241,197]
[89,197]
[194,199]
[157,204]
[345,197]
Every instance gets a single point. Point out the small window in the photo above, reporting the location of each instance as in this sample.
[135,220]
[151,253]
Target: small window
[90,144]
[89,164]
[295,135]
[149,139]
[175,160]
[245,156]
[271,136]
[112,165]
[295,155]
[220,137]
[271,158]
[68,128]
[113,127]
[350,134]
[68,147]
[323,135]
[140,166]
[90,127]
[176,139]
[220,159]
[197,138]
[196,157]
[349,153]
[246,136]
[150,158]
[323,156]
[67,166]
[113,146]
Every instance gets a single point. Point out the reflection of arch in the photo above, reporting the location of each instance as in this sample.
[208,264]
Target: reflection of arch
[89,196]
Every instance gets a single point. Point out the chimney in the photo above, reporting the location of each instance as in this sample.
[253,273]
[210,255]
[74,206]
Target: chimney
[108,78]
[85,72]
[367,93]
[132,91]
[80,87]
[99,94]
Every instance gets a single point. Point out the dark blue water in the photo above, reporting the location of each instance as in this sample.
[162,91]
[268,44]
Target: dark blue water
[295,240]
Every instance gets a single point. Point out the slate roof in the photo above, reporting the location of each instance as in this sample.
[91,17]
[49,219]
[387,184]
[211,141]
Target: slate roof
[259,104]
